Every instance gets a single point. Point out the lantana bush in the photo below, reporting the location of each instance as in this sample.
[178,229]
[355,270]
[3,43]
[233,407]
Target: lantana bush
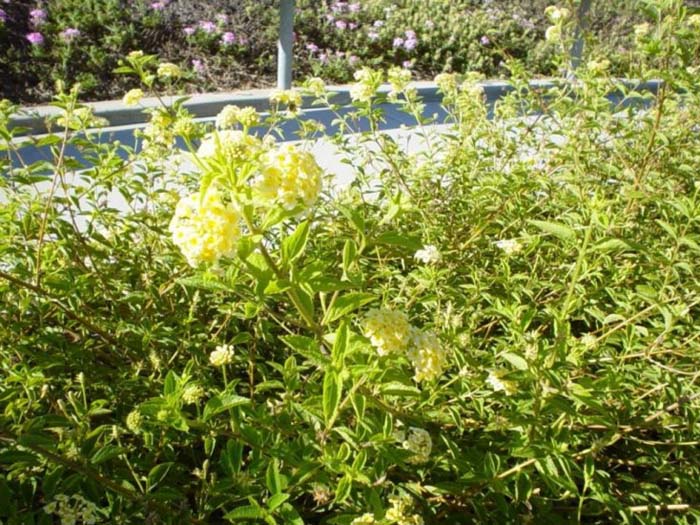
[500,326]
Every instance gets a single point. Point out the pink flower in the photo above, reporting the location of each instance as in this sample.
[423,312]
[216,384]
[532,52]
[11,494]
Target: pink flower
[341,24]
[323,58]
[312,47]
[407,64]
[3,16]
[37,17]
[222,18]
[410,44]
[352,60]
[207,26]
[398,42]
[372,35]
[352,25]
[354,8]
[198,66]
[410,34]
[35,38]
[228,38]
[485,41]
[69,34]
[378,23]
[189,30]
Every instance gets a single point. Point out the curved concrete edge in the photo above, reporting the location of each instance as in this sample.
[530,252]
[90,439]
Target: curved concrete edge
[33,120]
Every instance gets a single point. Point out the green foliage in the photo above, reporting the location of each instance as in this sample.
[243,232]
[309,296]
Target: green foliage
[550,251]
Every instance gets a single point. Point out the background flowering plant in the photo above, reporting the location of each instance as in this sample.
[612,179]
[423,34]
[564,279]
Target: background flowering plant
[500,326]
[231,44]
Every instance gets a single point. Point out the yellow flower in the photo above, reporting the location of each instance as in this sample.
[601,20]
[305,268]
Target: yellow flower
[316,86]
[368,82]
[231,115]
[223,355]
[365,519]
[552,34]
[290,98]
[398,80]
[694,20]
[169,70]
[231,145]
[192,394]
[135,54]
[446,82]
[134,421]
[419,442]
[133,97]
[205,231]
[556,14]
[641,30]
[289,178]
[388,331]
[426,354]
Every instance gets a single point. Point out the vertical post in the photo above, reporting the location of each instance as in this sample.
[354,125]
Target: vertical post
[581,23]
[285,45]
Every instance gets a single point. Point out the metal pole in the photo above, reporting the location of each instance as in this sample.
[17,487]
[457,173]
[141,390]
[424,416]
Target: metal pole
[285,45]
[581,23]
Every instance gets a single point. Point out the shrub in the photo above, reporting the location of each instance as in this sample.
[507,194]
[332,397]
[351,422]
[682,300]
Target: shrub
[501,327]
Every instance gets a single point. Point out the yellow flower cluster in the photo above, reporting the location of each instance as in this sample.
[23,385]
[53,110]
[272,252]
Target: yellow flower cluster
[205,229]
[134,421]
[391,333]
[426,354]
[316,86]
[73,509]
[556,14]
[366,519]
[446,82]
[399,512]
[419,443]
[290,98]
[169,70]
[368,82]
[231,115]
[399,79]
[388,331]
[230,145]
[192,394]
[223,355]
[132,97]
[289,177]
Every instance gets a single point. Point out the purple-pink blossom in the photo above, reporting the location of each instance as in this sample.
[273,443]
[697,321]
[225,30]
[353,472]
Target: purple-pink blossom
[372,35]
[222,18]
[69,34]
[407,64]
[354,7]
[198,66]
[207,26]
[312,47]
[3,15]
[189,30]
[378,23]
[37,17]
[341,24]
[323,58]
[352,60]
[228,38]
[398,42]
[352,25]
[485,41]
[35,38]
[410,44]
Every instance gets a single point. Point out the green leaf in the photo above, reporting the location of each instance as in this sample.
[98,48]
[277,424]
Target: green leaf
[395,388]
[272,477]
[293,246]
[158,473]
[221,403]
[332,387]
[562,231]
[340,345]
[347,304]
[515,360]
[343,490]
[106,453]
[248,512]
[409,242]
[308,348]
[276,500]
